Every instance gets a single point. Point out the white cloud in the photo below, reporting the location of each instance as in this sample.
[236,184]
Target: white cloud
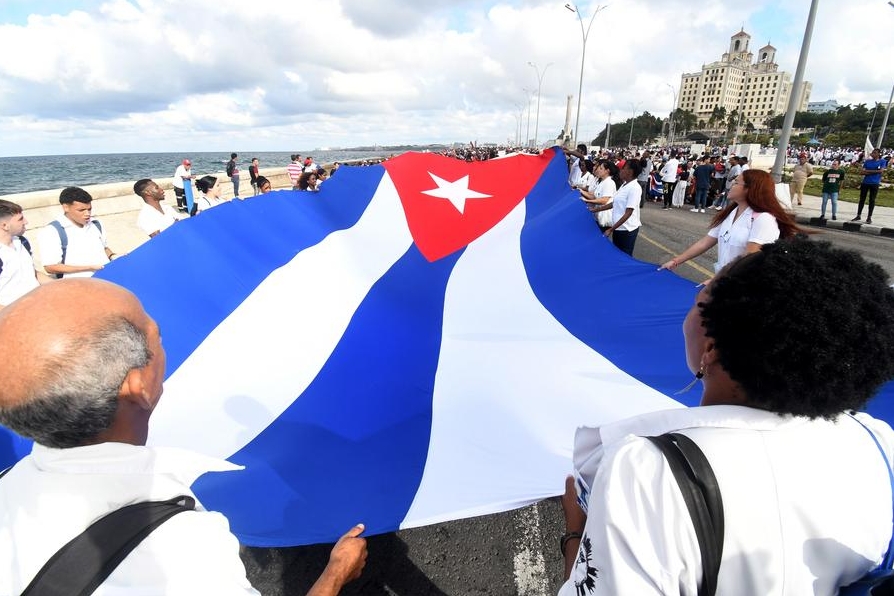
[134,75]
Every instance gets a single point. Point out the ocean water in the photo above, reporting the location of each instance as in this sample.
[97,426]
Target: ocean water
[45,172]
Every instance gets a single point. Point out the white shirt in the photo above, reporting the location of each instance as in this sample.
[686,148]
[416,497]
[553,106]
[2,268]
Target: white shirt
[152,220]
[733,234]
[86,246]
[807,503]
[668,172]
[204,202]
[574,172]
[627,197]
[586,180]
[604,188]
[17,277]
[52,495]
[179,174]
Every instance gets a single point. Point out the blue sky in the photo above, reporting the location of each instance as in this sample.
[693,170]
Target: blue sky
[17,11]
[207,75]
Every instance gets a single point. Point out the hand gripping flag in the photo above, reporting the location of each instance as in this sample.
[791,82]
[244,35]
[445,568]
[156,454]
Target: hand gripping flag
[415,343]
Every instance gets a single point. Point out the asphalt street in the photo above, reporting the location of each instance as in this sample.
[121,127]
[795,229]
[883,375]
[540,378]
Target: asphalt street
[514,552]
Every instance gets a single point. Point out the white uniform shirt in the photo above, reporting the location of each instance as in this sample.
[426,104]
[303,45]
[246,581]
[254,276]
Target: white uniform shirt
[668,171]
[574,172]
[17,277]
[733,236]
[628,196]
[179,174]
[151,220]
[585,181]
[204,202]
[86,246]
[807,504]
[52,495]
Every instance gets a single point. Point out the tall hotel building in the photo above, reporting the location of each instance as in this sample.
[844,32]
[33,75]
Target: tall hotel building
[755,88]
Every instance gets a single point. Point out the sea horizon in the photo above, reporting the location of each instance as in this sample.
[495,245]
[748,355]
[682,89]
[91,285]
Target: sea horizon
[22,174]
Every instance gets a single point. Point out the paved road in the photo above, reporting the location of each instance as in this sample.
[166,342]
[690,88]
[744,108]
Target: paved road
[666,233]
[515,552]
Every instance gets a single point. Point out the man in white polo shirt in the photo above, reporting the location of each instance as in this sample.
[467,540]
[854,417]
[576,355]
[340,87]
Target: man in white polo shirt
[17,274]
[155,216]
[74,244]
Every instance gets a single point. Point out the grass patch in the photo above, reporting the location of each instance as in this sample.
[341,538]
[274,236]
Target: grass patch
[851,195]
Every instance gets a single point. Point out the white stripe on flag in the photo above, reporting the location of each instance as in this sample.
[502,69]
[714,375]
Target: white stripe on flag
[234,387]
[511,388]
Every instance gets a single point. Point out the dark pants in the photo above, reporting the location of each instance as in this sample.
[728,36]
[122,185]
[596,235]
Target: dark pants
[643,184]
[625,240]
[872,190]
[668,189]
[701,198]
[180,194]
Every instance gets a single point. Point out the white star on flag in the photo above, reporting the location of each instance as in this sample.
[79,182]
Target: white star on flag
[456,192]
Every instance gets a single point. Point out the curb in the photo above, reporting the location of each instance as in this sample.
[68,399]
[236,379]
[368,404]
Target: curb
[846,226]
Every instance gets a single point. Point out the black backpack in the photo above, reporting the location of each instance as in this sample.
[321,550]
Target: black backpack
[27,246]
[231,165]
[63,239]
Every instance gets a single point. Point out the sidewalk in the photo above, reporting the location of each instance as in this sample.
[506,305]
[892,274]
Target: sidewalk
[882,217]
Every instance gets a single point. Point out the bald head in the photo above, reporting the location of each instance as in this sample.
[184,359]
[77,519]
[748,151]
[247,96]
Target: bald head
[67,349]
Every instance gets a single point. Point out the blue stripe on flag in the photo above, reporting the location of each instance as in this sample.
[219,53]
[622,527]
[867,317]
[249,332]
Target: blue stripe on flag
[358,434]
[622,308]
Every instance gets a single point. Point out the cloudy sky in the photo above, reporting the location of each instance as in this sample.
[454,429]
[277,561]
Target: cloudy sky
[94,76]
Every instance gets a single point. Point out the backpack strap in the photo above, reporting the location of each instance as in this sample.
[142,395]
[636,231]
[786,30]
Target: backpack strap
[888,561]
[79,567]
[63,241]
[27,246]
[701,493]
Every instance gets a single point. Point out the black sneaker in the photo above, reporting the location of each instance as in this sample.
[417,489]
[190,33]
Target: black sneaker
[858,218]
[869,220]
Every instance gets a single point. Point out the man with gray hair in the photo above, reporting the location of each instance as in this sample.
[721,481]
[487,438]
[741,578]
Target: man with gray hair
[82,381]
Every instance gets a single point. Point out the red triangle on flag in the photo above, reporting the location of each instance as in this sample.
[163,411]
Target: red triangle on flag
[449,202]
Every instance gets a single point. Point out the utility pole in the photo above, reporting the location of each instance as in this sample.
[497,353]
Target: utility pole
[794,96]
[608,131]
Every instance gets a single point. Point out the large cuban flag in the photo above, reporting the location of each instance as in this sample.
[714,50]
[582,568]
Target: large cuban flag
[415,343]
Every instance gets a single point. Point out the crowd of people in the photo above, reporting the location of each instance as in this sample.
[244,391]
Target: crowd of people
[676,179]
[805,498]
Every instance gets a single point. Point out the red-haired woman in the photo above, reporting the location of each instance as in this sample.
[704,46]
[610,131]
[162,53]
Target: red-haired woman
[752,218]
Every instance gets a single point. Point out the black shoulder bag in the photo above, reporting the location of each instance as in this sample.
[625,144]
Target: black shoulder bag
[701,493]
[79,567]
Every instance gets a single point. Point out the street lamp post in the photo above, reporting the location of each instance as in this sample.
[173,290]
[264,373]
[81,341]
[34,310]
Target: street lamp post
[580,86]
[528,95]
[670,127]
[635,108]
[540,76]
